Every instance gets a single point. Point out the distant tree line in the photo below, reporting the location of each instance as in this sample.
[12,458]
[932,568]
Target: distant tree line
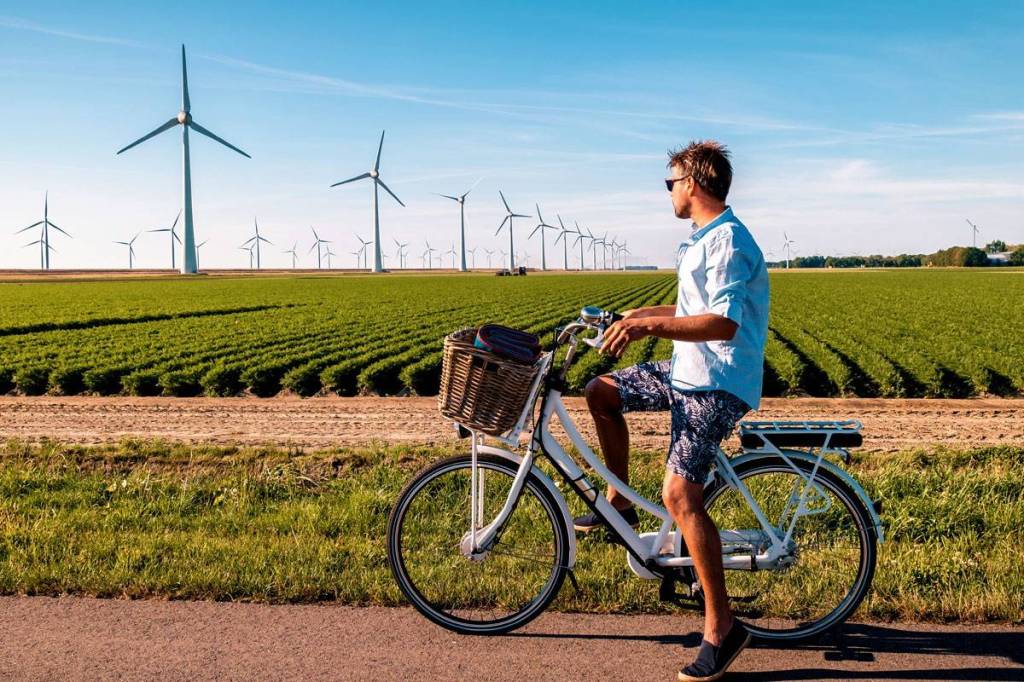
[958,256]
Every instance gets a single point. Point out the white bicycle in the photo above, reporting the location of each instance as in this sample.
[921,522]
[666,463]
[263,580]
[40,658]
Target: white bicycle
[481,543]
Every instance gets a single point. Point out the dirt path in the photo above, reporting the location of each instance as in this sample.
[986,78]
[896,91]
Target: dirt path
[889,425]
[73,639]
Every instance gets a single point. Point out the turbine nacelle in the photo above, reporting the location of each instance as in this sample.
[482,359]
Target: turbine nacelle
[184,118]
[374,174]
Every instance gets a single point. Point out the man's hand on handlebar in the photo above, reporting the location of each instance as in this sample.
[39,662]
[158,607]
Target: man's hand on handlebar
[620,334]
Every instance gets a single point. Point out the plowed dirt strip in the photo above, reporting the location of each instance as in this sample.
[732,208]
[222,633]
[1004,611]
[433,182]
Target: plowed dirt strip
[889,425]
[76,639]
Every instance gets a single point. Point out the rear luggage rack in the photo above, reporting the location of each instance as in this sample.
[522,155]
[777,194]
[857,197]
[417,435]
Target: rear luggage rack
[832,435]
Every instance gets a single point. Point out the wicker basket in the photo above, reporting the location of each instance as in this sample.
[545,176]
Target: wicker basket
[480,390]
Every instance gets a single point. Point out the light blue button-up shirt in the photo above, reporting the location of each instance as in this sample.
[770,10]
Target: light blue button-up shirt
[722,270]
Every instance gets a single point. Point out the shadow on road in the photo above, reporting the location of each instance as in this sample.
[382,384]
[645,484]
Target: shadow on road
[859,644]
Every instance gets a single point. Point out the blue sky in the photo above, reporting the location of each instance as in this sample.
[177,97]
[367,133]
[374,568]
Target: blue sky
[855,128]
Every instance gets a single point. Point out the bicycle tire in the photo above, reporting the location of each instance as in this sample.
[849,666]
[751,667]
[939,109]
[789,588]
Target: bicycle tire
[407,585]
[865,529]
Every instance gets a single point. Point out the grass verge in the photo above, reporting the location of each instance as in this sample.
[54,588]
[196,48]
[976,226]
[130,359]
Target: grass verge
[152,519]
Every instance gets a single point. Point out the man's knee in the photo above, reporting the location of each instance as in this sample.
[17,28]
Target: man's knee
[682,497]
[603,395]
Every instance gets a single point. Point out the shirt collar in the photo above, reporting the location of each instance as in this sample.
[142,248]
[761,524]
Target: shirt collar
[698,232]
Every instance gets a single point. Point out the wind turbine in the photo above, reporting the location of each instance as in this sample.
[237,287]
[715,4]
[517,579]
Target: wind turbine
[452,252]
[509,215]
[400,252]
[787,245]
[472,252]
[429,254]
[255,241]
[502,253]
[329,253]
[543,249]
[248,249]
[622,253]
[199,246]
[378,263]
[461,201]
[565,242]
[489,254]
[295,256]
[358,253]
[174,237]
[44,236]
[974,233]
[184,119]
[615,251]
[579,240]
[131,250]
[316,245]
[362,248]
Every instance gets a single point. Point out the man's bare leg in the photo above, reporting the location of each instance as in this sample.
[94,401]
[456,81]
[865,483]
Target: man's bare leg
[612,432]
[685,501]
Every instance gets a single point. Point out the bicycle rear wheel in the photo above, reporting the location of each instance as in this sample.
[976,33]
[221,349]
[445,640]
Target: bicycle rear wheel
[834,559]
[512,584]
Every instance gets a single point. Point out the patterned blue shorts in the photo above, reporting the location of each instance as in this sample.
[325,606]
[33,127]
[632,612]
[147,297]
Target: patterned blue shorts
[701,420]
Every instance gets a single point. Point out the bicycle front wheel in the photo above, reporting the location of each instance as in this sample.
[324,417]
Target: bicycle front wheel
[834,555]
[503,590]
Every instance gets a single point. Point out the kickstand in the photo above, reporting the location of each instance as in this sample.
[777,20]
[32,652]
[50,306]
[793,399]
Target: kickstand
[572,579]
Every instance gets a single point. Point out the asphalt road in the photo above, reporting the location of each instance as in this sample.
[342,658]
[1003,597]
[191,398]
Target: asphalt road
[73,638]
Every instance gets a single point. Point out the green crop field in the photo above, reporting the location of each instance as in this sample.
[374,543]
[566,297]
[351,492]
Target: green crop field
[867,333]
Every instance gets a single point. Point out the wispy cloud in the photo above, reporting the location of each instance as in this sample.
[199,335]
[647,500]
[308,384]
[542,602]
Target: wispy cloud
[25,25]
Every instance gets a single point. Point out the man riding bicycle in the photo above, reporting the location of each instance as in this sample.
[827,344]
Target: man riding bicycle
[718,327]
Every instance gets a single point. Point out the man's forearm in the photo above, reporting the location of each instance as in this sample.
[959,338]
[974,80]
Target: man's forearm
[694,328]
[653,311]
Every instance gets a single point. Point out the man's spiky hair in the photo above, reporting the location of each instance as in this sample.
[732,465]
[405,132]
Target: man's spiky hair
[707,162]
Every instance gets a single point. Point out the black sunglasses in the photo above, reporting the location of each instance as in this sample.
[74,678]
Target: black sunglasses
[671,181]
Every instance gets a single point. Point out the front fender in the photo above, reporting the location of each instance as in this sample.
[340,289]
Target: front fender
[552,488]
[842,474]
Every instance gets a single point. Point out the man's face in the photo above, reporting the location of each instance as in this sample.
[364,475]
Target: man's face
[682,192]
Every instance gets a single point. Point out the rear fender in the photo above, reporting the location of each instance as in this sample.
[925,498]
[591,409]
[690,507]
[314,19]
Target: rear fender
[808,460]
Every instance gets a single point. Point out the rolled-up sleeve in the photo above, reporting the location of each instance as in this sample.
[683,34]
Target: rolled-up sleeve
[728,272]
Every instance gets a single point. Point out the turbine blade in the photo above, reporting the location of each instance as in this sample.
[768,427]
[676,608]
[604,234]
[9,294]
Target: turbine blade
[388,190]
[502,224]
[175,236]
[200,129]
[166,126]
[247,241]
[559,237]
[125,243]
[38,241]
[311,248]
[521,215]
[345,182]
[26,229]
[264,239]
[376,164]
[162,229]
[176,221]
[54,226]
[534,231]
[504,202]
[448,196]
[185,103]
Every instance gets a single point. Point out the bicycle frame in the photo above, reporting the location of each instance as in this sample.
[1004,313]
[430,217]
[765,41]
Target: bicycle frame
[662,552]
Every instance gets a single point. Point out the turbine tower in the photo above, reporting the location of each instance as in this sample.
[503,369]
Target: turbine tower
[452,252]
[174,237]
[255,241]
[787,245]
[44,235]
[362,249]
[316,245]
[974,233]
[131,250]
[472,252]
[378,263]
[542,226]
[295,256]
[509,215]
[461,201]
[579,240]
[184,119]
[565,242]
[199,246]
